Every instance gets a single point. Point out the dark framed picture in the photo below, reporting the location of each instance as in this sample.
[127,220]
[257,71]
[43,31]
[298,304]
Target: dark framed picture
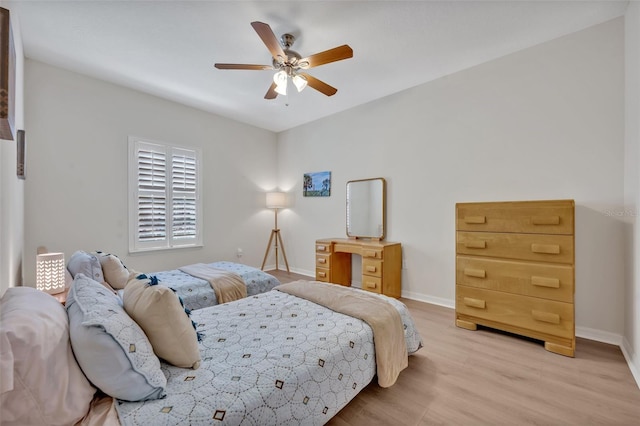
[317,184]
[20,156]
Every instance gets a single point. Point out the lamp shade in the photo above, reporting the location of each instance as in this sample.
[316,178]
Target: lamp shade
[50,275]
[276,200]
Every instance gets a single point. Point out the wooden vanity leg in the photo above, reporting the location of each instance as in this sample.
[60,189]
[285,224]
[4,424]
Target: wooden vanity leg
[466,324]
[559,349]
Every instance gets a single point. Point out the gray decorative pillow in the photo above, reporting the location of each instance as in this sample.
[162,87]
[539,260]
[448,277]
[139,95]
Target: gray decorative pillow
[112,350]
[84,263]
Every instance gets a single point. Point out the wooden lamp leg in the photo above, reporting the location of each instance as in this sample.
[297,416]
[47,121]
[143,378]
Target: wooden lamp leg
[284,255]
[278,239]
[266,253]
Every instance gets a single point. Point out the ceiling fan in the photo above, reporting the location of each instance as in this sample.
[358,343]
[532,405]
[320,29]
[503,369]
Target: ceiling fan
[290,64]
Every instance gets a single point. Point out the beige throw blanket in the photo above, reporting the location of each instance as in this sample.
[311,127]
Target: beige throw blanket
[226,285]
[382,317]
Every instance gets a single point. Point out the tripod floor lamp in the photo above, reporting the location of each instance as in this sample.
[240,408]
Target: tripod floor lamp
[276,200]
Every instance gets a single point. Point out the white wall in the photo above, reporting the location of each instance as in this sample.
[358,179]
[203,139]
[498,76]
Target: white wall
[76,190]
[11,188]
[631,344]
[543,123]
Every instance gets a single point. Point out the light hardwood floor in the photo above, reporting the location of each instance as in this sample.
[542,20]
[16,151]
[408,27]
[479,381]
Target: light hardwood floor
[486,377]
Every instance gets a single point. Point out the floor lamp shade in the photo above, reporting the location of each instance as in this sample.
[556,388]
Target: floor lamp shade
[50,276]
[276,200]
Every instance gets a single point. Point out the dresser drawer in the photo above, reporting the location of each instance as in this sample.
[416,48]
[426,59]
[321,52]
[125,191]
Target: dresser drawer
[530,313]
[373,284]
[371,267]
[547,217]
[548,281]
[536,247]
[322,275]
[323,260]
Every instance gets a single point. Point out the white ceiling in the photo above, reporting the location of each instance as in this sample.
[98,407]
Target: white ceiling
[168,48]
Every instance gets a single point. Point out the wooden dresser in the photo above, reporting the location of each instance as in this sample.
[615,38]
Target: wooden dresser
[381,264]
[515,269]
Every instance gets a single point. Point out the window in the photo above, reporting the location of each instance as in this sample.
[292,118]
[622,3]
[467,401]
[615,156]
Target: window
[165,206]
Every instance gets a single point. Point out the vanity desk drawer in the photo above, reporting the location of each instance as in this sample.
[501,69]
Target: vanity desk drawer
[322,275]
[323,260]
[322,248]
[371,267]
[373,284]
[381,264]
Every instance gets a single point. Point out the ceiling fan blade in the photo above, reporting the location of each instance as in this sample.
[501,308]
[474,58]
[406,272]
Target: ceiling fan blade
[271,93]
[332,55]
[243,67]
[319,85]
[269,39]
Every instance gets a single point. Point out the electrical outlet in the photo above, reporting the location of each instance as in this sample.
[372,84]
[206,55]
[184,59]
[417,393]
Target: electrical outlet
[239,252]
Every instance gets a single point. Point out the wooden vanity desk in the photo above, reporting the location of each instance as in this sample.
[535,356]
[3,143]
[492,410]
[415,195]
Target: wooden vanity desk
[381,264]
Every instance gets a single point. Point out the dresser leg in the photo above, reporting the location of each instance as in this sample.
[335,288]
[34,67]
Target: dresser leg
[559,349]
[466,324]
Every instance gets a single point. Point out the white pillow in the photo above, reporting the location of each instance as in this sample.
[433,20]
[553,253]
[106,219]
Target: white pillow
[42,383]
[85,263]
[115,273]
[111,349]
[157,309]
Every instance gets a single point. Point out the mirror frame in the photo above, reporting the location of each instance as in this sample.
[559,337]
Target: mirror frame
[384,209]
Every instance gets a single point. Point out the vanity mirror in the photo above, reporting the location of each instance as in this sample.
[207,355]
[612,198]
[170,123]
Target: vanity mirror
[366,203]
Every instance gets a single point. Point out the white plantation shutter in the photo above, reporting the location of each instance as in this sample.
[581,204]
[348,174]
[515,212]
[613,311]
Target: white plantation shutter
[152,188]
[183,182]
[164,186]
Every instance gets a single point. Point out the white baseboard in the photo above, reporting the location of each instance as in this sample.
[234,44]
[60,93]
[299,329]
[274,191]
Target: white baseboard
[310,274]
[599,335]
[447,303]
[632,360]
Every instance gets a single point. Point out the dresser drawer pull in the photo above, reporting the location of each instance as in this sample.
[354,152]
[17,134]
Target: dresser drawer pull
[546,317]
[480,273]
[322,274]
[371,253]
[371,284]
[371,268]
[322,260]
[474,303]
[545,220]
[545,248]
[321,248]
[475,219]
[545,282]
[475,244]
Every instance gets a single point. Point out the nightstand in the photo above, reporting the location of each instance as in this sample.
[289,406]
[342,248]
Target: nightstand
[61,297]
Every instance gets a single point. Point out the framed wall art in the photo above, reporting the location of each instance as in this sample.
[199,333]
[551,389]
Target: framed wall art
[7,77]
[20,157]
[317,184]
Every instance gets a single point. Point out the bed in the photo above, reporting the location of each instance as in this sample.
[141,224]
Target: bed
[269,359]
[197,293]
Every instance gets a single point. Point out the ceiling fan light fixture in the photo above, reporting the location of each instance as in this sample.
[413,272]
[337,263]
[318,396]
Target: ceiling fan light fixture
[280,79]
[300,82]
